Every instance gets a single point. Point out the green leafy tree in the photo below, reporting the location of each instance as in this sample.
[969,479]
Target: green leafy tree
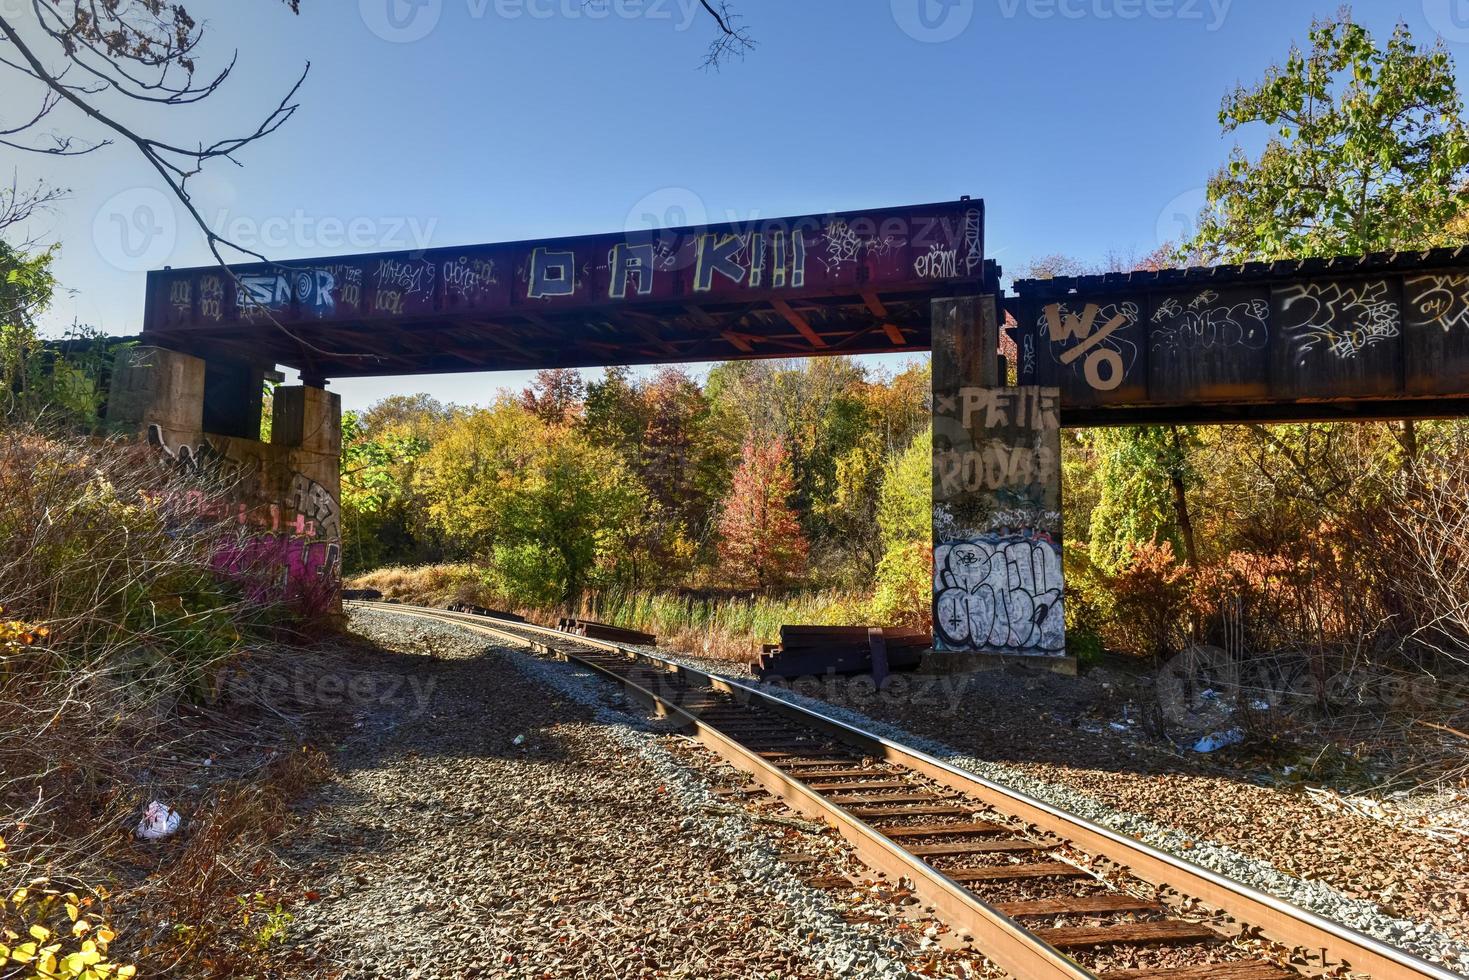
[904,582]
[546,505]
[370,477]
[382,514]
[26,285]
[905,505]
[1144,474]
[1369,152]
[416,415]
[615,414]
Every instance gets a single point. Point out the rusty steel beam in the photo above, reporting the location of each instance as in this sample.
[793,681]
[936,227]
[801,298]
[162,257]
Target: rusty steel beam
[574,283]
[1312,339]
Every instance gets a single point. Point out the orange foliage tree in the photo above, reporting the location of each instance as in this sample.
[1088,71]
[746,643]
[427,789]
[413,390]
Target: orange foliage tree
[760,540]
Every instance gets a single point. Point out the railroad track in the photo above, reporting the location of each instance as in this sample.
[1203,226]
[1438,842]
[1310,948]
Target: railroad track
[1015,872]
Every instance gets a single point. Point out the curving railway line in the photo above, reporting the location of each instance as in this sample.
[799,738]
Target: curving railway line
[1017,873]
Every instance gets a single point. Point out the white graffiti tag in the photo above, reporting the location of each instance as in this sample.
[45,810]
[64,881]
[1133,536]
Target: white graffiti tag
[1001,592]
[844,246]
[1201,326]
[937,263]
[1345,320]
[1440,300]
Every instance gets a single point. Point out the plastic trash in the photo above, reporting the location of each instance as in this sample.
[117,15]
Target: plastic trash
[518,740]
[158,822]
[1219,740]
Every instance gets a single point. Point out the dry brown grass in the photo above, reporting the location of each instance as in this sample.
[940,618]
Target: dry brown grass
[428,585]
[724,627]
[111,696]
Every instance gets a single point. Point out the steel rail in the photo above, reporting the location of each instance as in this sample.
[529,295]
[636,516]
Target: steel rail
[1272,917]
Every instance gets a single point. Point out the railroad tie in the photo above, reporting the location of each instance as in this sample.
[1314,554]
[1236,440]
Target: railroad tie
[1238,970]
[780,749]
[858,787]
[874,812]
[979,847]
[1078,905]
[1152,933]
[941,829]
[1017,872]
[889,798]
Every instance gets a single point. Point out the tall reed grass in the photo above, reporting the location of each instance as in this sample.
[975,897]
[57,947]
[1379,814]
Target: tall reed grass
[725,626]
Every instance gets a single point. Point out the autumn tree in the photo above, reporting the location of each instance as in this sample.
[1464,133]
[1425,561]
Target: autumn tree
[903,587]
[380,452]
[614,414]
[761,542]
[1145,474]
[543,507]
[555,396]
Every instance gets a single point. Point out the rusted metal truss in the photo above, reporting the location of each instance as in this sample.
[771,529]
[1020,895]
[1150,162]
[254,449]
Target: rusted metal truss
[1383,335]
[850,283]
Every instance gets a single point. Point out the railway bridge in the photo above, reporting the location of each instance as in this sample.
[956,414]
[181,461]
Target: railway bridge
[1369,337]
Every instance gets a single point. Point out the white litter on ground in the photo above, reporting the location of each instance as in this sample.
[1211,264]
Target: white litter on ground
[158,822]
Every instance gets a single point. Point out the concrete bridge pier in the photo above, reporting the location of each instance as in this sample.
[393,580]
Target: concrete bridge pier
[205,416]
[998,586]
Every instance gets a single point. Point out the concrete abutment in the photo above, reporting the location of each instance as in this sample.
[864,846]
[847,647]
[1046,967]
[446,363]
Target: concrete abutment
[206,417]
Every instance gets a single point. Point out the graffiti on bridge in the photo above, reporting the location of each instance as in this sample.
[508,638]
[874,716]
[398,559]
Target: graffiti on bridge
[292,543]
[1000,592]
[1093,343]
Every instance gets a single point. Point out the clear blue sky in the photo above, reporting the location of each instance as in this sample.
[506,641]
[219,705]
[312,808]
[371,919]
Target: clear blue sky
[1087,125]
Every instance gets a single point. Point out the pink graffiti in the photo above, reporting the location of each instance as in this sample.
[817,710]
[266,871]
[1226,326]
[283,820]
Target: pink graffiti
[279,566]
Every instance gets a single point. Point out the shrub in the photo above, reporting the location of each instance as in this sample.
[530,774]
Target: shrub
[904,592]
[117,613]
[528,574]
[1149,602]
[109,551]
[53,934]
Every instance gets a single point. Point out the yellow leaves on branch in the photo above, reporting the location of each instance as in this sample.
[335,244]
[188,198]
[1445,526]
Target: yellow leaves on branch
[40,949]
[16,634]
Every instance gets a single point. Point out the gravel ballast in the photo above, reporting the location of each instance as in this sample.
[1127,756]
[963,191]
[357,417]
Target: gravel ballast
[1290,831]
[506,817]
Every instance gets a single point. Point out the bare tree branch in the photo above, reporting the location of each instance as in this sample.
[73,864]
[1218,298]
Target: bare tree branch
[144,50]
[733,41]
[19,205]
